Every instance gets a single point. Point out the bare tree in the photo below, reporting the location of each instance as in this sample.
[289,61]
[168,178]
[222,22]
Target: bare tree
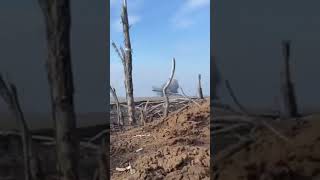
[119,112]
[32,168]
[166,98]
[58,23]
[127,52]
[288,101]
[200,94]
[126,57]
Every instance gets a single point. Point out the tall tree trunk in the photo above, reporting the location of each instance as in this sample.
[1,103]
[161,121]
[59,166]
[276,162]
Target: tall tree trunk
[58,23]
[128,62]
[200,94]
[288,104]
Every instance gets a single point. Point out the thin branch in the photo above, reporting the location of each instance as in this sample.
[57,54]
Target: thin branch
[235,100]
[119,112]
[190,99]
[118,53]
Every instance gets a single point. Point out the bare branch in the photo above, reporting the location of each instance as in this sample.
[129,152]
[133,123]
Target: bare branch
[235,100]
[119,112]
[31,164]
[122,57]
[190,99]
[166,106]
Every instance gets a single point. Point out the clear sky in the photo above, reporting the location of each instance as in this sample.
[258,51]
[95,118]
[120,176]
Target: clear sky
[160,31]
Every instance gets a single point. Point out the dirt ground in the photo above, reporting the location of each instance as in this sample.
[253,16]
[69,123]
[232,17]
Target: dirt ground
[271,158]
[177,147]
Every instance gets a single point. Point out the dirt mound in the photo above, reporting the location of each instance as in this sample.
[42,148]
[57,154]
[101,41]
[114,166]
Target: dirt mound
[270,158]
[177,147]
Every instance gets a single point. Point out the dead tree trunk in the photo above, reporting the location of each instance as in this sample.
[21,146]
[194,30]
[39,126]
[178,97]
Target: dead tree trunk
[128,62]
[164,91]
[288,104]
[119,112]
[58,23]
[216,79]
[199,87]
[32,168]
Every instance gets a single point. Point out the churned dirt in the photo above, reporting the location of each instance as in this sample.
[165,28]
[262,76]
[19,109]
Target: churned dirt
[177,147]
[270,158]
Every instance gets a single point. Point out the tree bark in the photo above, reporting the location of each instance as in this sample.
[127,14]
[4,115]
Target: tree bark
[128,62]
[288,105]
[164,91]
[200,94]
[58,24]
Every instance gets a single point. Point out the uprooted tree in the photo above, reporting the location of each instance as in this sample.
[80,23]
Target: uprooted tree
[58,22]
[126,58]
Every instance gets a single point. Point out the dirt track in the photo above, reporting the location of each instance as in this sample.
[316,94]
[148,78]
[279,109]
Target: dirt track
[177,147]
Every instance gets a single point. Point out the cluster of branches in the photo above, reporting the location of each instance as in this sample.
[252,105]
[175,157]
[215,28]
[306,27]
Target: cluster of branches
[148,111]
[242,124]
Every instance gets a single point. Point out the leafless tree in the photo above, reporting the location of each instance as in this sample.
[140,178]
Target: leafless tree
[166,98]
[200,94]
[128,63]
[126,58]
[119,112]
[216,79]
[32,169]
[58,24]
[288,98]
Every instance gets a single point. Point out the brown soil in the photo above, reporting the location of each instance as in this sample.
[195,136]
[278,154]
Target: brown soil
[270,158]
[178,147]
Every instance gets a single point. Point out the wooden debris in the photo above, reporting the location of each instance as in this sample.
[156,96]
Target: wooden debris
[142,135]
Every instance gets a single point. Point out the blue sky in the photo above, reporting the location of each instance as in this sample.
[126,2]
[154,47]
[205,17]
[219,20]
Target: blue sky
[160,31]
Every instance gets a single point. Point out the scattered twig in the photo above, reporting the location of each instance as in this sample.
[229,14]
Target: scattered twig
[189,97]
[142,135]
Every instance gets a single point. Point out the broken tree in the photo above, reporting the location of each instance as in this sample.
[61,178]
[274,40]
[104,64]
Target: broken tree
[126,58]
[288,100]
[216,79]
[32,169]
[58,23]
[128,63]
[166,98]
[119,112]
[200,94]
